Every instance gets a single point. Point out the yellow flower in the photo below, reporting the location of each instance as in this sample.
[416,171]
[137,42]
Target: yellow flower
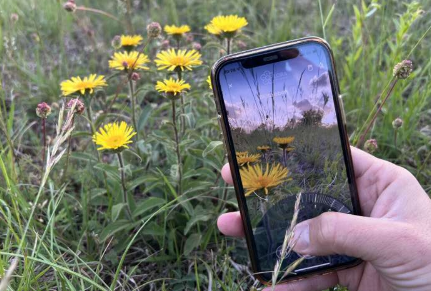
[284,141]
[263,148]
[176,30]
[246,159]
[177,60]
[209,82]
[254,179]
[114,136]
[172,86]
[131,40]
[87,84]
[213,30]
[129,60]
[241,153]
[228,25]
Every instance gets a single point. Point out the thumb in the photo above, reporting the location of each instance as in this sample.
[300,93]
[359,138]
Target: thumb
[345,234]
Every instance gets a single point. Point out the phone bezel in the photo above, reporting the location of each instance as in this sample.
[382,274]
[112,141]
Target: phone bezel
[228,141]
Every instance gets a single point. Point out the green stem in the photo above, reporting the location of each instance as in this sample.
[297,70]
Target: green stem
[183,111]
[228,45]
[395,138]
[44,142]
[177,147]
[371,122]
[123,185]
[133,102]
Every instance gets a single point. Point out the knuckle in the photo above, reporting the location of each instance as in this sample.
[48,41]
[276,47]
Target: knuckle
[327,226]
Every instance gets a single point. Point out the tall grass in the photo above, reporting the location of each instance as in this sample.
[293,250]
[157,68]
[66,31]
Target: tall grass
[76,235]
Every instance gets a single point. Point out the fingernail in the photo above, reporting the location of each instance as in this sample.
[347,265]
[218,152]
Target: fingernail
[301,237]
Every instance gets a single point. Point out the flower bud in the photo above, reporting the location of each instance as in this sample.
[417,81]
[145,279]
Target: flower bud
[116,42]
[79,106]
[43,110]
[70,6]
[189,37]
[14,18]
[135,76]
[397,123]
[165,44]
[370,146]
[197,46]
[154,29]
[403,70]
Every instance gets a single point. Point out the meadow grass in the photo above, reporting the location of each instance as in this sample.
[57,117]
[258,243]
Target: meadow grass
[78,236]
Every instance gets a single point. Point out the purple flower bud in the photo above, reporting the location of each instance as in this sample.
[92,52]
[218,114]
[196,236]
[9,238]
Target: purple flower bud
[154,29]
[135,76]
[197,46]
[43,110]
[70,6]
[79,106]
[165,44]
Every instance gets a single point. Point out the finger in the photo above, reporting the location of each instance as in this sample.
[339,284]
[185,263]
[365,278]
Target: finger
[362,161]
[316,283]
[226,174]
[345,234]
[231,224]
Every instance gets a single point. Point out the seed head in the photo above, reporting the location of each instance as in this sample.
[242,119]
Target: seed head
[116,42]
[70,6]
[370,146]
[397,123]
[79,106]
[43,110]
[403,70]
[154,29]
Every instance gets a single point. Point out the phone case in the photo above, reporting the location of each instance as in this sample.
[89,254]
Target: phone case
[228,142]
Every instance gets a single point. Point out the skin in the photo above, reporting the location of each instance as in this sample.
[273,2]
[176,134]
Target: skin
[393,238]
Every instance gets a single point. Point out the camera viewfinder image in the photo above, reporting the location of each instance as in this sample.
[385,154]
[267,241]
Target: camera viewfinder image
[286,140]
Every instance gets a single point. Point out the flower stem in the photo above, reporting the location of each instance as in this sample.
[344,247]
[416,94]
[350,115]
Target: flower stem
[123,184]
[44,142]
[228,45]
[371,122]
[97,11]
[177,147]
[183,112]
[395,137]
[133,102]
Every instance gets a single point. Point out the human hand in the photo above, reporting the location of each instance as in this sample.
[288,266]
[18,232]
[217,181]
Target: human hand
[393,238]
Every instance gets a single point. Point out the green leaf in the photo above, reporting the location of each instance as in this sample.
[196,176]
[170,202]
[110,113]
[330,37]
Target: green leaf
[111,171]
[195,219]
[211,147]
[192,242]
[144,117]
[147,204]
[114,227]
[154,229]
[116,210]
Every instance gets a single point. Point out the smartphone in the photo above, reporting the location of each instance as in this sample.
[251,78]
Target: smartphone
[283,123]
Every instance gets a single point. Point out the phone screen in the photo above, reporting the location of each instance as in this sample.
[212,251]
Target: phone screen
[285,134]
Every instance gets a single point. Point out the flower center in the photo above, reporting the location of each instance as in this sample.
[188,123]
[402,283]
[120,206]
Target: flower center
[178,60]
[115,141]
